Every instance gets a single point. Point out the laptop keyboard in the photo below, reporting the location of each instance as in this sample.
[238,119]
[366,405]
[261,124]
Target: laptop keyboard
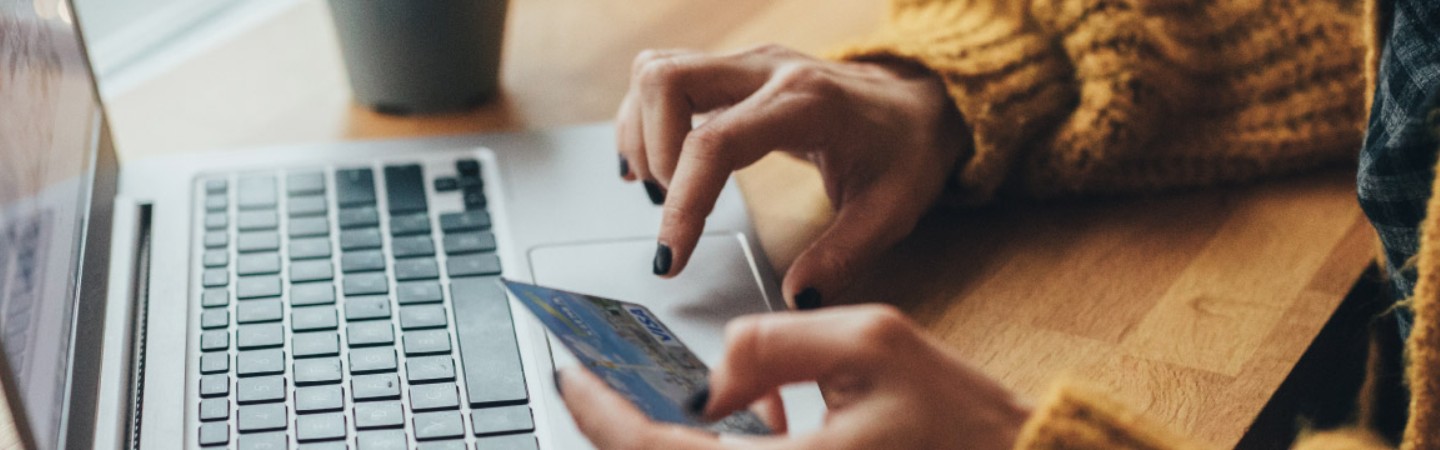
[326,321]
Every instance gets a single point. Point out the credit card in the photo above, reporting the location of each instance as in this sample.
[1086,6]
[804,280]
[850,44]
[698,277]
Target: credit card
[627,346]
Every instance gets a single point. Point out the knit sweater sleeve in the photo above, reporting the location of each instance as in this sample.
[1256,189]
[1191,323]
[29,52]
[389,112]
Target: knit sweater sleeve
[1098,96]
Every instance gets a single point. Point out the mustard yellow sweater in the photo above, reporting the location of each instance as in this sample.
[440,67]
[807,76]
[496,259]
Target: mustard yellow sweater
[1067,97]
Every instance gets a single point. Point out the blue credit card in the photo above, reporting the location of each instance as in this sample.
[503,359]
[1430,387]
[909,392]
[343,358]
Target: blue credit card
[627,346]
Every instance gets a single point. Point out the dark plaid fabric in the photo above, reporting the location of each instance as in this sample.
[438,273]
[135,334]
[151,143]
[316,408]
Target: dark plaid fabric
[1398,161]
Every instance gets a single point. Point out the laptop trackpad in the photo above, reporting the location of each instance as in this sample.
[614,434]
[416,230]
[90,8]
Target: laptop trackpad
[718,285]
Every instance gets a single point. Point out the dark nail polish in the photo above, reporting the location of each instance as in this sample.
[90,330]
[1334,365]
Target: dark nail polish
[695,405]
[807,299]
[656,193]
[624,167]
[662,259]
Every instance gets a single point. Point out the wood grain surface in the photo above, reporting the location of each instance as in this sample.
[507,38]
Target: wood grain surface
[1191,307]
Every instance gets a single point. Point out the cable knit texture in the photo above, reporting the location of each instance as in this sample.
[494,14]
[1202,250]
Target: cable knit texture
[1102,96]
[1068,97]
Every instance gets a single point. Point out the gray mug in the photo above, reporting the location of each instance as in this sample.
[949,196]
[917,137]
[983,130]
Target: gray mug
[421,56]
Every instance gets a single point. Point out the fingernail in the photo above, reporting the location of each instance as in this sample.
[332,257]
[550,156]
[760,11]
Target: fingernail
[695,405]
[807,299]
[624,167]
[657,195]
[662,259]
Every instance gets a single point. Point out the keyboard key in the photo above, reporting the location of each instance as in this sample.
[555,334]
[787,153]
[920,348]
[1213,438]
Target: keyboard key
[216,258]
[257,192]
[367,308]
[305,183]
[374,359]
[216,203]
[362,261]
[214,362]
[318,371]
[468,168]
[355,187]
[446,184]
[502,420]
[411,269]
[429,369]
[418,292]
[464,221]
[418,317]
[214,409]
[262,417]
[309,227]
[524,441]
[379,415]
[405,188]
[214,318]
[486,335]
[215,278]
[366,284]
[257,287]
[307,345]
[320,427]
[313,270]
[428,342]
[426,397]
[439,425]
[361,217]
[216,186]
[381,440]
[454,444]
[306,294]
[214,297]
[306,206]
[331,445]
[215,434]
[473,242]
[257,220]
[409,224]
[260,362]
[215,385]
[216,221]
[258,263]
[361,334]
[258,241]
[214,340]
[256,311]
[360,239]
[259,390]
[309,248]
[261,336]
[384,386]
[474,198]
[313,318]
[263,441]
[472,265]
[319,399]
[411,246]
[216,239]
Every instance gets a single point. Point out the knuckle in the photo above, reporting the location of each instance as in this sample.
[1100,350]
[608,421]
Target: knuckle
[883,326]
[770,50]
[659,73]
[707,144]
[686,215]
[644,57]
[804,77]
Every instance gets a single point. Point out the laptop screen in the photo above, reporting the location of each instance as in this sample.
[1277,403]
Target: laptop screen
[49,126]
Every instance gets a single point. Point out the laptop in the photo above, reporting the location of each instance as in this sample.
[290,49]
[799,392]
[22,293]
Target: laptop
[326,296]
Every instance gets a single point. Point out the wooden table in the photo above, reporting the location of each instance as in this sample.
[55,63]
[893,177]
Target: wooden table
[1191,307]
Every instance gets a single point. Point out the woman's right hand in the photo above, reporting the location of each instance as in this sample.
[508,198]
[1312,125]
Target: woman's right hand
[885,138]
[890,385]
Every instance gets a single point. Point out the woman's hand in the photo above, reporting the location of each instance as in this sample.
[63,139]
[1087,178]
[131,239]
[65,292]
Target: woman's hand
[889,386]
[885,138]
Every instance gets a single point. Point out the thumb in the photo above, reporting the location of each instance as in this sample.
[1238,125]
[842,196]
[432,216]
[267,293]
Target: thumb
[864,227]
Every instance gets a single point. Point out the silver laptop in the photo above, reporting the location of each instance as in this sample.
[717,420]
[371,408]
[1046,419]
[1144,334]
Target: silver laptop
[326,296]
